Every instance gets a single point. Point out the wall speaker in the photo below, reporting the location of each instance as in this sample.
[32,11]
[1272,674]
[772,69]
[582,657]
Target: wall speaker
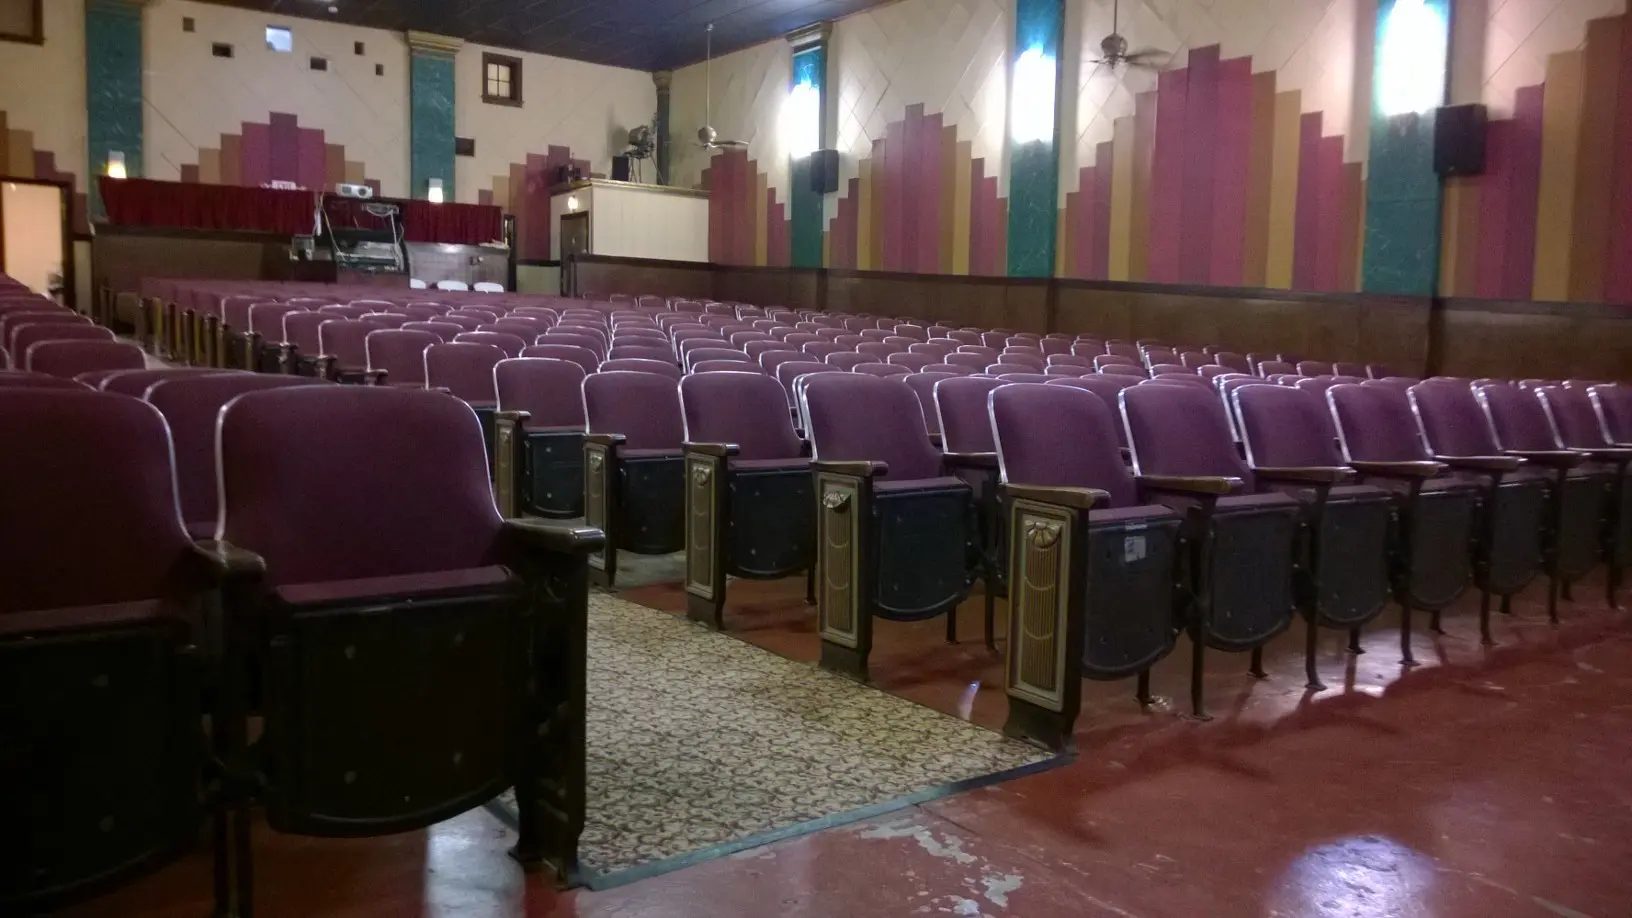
[620,168]
[1459,140]
[824,171]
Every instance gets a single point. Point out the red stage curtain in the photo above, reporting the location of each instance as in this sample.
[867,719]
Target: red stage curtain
[144,202]
[422,221]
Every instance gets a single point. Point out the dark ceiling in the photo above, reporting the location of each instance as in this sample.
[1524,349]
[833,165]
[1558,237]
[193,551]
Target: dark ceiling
[641,34]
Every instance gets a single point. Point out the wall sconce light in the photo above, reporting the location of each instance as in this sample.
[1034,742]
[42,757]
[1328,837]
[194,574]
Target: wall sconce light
[572,203]
[116,164]
[1031,107]
[434,192]
[1411,58]
[802,120]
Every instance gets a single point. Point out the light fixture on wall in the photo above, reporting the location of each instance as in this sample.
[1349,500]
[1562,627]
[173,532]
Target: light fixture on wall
[1031,101]
[434,192]
[802,120]
[1411,58]
[572,203]
[116,164]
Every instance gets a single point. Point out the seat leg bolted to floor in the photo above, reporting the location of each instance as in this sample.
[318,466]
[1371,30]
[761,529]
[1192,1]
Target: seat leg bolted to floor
[844,566]
[708,486]
[602,501]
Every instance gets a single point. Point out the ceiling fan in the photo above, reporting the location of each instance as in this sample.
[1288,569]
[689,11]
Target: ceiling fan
[1115,48]
[707,137]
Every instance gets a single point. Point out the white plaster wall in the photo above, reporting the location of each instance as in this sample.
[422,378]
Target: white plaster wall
[1520,34]
[42,87]
[587,107]
[749,87]
[636,223]
[192,97]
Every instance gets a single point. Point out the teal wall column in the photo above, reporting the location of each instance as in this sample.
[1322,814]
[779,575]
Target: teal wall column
[113,89]
[430,112]
[808,89]
[1034,141]
[663,80]
[1403,193]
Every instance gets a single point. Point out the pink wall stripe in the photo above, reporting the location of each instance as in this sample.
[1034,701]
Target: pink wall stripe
[1524,195]
[1167,177]
[716,216]
[285,151]
[929,194]
[1104,160]
[1200,138]
[1495,191]
[1306,247]
[312,171]
[1329,254]
[537,190]
[257,148]
[1080,214]
[912,181]
[977,217]
[894,190]
[1618,276]
[1232,151]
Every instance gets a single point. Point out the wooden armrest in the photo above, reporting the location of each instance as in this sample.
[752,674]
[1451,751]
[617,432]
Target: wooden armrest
[717,450]
[1552,458]
[1312,474]
[1416,469]
[229,562]
[376,377]
[971,460]
[559,538]
[859,468]
[1482,463]
[1192,484]
[1610,454]
[1075,498]
[519,417]
[607,440]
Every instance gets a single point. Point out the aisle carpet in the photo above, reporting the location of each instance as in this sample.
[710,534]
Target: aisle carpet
[701,745]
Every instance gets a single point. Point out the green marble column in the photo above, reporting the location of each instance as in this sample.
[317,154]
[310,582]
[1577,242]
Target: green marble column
[805,205]
[113,89]
[430,110]
[1403,193]
[1034,141]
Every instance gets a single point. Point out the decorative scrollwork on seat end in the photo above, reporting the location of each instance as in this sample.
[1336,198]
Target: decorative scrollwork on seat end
[1043,533]
[836,500]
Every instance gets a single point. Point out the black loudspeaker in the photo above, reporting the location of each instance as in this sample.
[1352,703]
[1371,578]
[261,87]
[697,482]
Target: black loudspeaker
[620,168]
[824,171]
[1459,140]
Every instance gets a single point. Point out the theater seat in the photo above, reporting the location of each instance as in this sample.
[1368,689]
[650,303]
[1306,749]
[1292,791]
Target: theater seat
[634,469]
[1095,566]
[749,497]
[894,528]
[100,674]
[538,450]
[418,654]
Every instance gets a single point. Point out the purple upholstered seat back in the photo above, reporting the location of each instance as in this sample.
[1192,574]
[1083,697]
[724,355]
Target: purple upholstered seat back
[88,514]
[853,416]
[1573,421]
[1451,419]
[665,368]
[29,335]
[883,370]
[300,329]
[346,340]
[643,407]
[11,321]
[335,483]
[464,369]
[1059,436]
[71,358]
[192,405]
[400,353]
[266,320]
[748,409]
[960,403]
[21,379]
[1374,424]
[135,383]
[1180,430]
[1613,404]
[511,345]
[849,360]
[1285,427]
[582,356]
[696,355]
[1107,389]
[550,390]
[1516,417]
[923,386]
[661,352]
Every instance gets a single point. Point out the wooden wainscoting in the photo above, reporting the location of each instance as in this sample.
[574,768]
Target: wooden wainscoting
[1409,335]
[122,256]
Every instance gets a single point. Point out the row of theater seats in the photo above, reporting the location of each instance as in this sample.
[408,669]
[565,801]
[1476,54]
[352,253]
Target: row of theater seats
[188,550]
[38,334]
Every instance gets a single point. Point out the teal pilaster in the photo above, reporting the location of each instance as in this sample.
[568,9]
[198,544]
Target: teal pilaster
[430,110]
[805,205]
[1034,136]
[1403,193]
[113,89]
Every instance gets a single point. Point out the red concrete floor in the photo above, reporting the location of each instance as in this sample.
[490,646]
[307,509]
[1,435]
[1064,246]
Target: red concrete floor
[1485,783]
